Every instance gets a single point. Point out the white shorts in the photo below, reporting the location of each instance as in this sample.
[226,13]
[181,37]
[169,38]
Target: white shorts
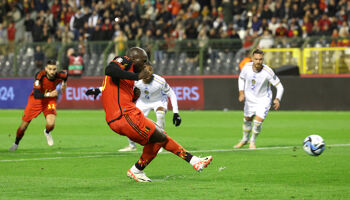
[259,110]
[146,107]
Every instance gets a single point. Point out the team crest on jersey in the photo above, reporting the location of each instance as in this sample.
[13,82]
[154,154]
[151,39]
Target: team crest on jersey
[253,82]
[146,92]
[274,77]
[37,83]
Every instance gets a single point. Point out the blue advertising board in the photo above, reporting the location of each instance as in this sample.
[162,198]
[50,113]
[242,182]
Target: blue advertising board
[14,92]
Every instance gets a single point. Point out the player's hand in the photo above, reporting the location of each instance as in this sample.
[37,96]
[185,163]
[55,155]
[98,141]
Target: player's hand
[53,93]
[137,93]
[176,119]
[94,92]
[63,86]
[276,104]
[145,73]
[241,97]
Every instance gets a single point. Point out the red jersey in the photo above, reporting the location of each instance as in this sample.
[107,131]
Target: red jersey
[45,85]
[118,94]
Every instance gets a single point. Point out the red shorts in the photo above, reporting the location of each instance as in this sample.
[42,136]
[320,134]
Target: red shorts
[135,126]
[36,106]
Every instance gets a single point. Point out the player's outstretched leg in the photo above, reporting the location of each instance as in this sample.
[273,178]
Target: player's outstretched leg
[197,163]
[150,151]
[130,147]
[247,127]
[19,135]
[255,132]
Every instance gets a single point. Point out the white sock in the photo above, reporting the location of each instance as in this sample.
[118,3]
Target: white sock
[132,143]
[194,160]
[160,118]
[247,127]
[256,130]
[135,170]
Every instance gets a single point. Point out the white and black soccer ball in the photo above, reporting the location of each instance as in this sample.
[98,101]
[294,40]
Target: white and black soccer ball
[314,145]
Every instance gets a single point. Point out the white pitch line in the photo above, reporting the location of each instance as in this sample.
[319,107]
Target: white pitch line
[105,154]
[55,158]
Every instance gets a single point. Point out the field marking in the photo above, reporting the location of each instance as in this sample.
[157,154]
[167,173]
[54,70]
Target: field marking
[56,158]
[106,154]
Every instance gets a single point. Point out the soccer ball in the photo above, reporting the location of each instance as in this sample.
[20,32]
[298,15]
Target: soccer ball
[314,145]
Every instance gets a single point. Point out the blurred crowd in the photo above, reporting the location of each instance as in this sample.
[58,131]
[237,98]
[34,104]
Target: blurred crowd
[150,20]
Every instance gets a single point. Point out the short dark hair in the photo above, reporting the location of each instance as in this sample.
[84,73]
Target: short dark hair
[51,62]
[258,51]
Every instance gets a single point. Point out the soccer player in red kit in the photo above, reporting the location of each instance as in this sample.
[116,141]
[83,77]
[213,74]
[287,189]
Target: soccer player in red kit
[42,99]
[126,119]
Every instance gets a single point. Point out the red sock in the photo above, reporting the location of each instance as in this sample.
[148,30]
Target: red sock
[172,146]
[49,128]
[150,152]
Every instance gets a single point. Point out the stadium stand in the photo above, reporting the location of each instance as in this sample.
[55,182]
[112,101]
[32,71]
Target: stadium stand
[182,36]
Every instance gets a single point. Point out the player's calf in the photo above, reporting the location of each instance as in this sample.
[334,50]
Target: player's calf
[255,132]
[246,127]
[160,114]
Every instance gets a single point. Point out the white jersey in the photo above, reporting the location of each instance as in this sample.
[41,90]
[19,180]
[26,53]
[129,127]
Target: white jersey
[155,94]
[257,85]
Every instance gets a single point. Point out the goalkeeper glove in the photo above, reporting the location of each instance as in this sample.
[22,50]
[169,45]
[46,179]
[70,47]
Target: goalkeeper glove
[94,92]
[176,119]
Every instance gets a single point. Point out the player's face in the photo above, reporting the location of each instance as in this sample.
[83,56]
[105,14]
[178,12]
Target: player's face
[139,62]
[150,78]
[51,71]
[258,60]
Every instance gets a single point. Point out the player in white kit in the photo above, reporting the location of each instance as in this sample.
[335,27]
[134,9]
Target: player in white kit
[154,94]
[254,85]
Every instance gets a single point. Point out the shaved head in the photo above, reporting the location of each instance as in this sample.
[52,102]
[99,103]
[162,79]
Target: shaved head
[138,56]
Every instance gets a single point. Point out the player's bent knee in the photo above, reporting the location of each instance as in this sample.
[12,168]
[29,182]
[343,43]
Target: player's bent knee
[158,136]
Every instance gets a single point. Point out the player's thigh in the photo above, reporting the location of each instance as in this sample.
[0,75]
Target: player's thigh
[163,106]
[49,108]
[135,126]
[261,111]
[249,110]
[32,110]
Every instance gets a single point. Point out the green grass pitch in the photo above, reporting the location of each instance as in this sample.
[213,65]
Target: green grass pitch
[84,162]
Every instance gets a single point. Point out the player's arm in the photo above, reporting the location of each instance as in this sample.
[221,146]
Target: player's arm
[64,76]
[241,83]
[39,95]
[137,94]
[171,94]
[37,87]
[277,100]
[118,69]
[275,81]
[63,86]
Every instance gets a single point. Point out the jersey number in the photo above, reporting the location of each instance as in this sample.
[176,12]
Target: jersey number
[51,106]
